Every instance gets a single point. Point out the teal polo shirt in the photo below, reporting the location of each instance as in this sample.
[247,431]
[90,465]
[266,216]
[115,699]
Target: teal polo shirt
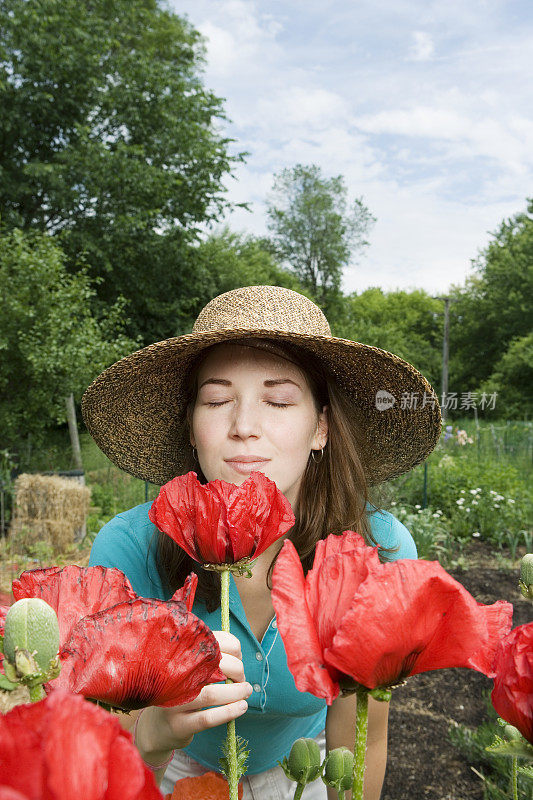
[278,713]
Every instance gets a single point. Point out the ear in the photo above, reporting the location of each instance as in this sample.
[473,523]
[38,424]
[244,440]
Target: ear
[321,436]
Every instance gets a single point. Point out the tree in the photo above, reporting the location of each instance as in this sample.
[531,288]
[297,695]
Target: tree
[109,139]
[512,380]
[51,343]
[404,323]
[493,309]
[314,228]
[225,261]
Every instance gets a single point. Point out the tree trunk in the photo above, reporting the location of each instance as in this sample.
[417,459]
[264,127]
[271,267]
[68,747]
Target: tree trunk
[76,451]
[73,431]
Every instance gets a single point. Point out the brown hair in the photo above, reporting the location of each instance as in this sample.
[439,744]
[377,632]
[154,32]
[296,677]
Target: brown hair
[333,491]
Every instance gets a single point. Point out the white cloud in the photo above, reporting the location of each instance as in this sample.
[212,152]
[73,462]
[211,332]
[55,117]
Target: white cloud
[423,47]
[434,135]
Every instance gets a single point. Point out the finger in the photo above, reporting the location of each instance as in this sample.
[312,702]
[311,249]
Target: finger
[218,715]
[228,643]
[217,694]
[232,667]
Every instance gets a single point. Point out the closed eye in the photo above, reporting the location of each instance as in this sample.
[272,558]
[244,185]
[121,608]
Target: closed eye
[269,403]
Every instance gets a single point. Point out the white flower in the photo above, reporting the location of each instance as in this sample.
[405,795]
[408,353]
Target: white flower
[510,500]
[418,505]
[493,492]
[462,491]
[460,501]
[496,505]
[393,503]
[476,534]
[436,516]
[467,510]
[474,502]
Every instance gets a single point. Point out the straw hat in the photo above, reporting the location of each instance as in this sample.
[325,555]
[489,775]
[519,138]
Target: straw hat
[134,409]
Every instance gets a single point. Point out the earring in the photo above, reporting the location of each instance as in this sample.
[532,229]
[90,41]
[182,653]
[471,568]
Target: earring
[317,460]
[194,453]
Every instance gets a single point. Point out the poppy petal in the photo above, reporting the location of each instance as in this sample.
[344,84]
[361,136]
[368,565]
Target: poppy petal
[498,620]
[332,585]
[174,516]
[210,785]
[139,653]
[64,747]
[270,513]
[297,629]
[409,617]
[187,592]
[74,592]
[512,696]
[3,612]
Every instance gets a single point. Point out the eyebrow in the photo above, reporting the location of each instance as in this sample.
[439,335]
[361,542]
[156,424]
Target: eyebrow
[275,382]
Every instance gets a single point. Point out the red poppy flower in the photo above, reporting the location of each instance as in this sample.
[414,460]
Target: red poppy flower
[124,650]
[139,653]
[209,786]
[65,747]
[512,696]
[74,592]
[221,523]
[375,624]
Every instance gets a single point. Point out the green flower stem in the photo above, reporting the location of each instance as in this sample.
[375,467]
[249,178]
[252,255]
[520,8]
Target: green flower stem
[515,777]
[361,725]
[231,742]
[298,791]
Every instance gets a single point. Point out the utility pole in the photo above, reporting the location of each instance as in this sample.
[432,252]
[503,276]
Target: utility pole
[445,351]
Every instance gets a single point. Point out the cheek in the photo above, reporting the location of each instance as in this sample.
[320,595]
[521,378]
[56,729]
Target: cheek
[294,436]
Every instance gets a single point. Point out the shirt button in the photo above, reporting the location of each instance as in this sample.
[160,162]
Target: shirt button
[257,688]
[259,656]
[274,624]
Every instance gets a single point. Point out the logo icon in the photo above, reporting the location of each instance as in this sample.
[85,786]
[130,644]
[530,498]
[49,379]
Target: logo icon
[384,400]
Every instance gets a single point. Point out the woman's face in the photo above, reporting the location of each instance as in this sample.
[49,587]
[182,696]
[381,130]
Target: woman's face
[255,411]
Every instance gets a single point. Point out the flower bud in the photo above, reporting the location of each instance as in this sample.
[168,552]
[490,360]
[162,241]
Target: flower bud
[338,769]
[511,733]
[526,576]
[304,763]
[31,624]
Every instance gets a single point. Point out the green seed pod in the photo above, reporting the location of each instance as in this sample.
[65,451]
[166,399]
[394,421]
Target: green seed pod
[31,624]
[338,769]
[526,576]
[304,763]
[511,733]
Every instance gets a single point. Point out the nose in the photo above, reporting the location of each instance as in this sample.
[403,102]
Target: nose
[245,421]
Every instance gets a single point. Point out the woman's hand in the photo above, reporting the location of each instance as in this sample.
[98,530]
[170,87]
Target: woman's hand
[163,729]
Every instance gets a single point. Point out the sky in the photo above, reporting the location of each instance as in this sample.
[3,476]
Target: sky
[424,107]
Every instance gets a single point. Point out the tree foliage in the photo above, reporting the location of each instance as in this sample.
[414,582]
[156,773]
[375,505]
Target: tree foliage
[314,228]
[490,326]
[226,260]
[51,343]
[108,137]
[405,323]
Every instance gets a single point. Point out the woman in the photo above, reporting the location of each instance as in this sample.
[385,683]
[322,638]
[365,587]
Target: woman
[260,384]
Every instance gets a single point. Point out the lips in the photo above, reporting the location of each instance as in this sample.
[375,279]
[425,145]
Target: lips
[246,464]
[246,459]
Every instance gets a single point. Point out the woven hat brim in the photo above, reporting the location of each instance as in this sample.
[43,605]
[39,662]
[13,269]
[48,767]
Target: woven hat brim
[133,410]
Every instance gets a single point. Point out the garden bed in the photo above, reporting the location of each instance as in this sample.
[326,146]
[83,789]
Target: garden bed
[423,762]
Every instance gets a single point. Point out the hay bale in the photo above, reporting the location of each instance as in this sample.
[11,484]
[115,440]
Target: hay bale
[48,509]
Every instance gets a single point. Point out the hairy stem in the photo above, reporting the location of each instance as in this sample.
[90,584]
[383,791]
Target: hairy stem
[361,724]
[231,742]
